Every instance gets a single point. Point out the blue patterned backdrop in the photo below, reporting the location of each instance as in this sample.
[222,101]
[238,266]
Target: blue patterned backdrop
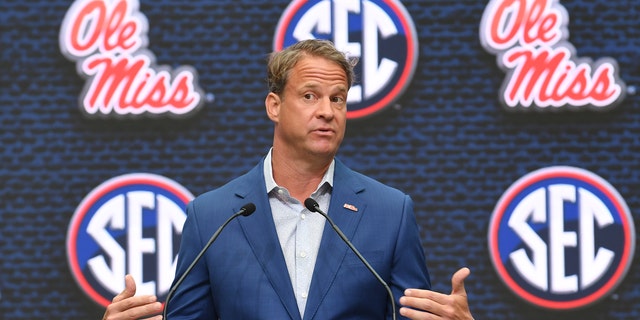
[446,142]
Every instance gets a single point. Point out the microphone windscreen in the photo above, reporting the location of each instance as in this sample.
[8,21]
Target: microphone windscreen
[248,209]
[311,204]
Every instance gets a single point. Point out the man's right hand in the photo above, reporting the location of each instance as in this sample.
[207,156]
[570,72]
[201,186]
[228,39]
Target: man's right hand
[125,306]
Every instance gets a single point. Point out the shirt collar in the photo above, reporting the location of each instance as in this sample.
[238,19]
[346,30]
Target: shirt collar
[271,183]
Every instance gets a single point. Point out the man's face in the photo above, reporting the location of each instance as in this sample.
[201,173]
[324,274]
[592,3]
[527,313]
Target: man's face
[310,115]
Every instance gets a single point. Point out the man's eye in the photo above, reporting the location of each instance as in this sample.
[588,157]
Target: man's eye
[337,100]
[309,96]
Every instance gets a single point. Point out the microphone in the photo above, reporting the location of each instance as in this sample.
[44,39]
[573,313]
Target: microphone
[313,206]
[246,210]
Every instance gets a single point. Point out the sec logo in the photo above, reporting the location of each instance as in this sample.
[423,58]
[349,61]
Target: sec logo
[561,238]
[380,33]
[130,224]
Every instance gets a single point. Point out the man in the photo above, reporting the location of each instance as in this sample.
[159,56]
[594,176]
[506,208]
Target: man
[284,262]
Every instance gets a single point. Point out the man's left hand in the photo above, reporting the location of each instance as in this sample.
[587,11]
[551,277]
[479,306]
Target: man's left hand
[419,304]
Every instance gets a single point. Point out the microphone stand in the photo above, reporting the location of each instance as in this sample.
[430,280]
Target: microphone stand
[246,210]
[313,206]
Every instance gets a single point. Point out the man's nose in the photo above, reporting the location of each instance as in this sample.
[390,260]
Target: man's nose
[325,109]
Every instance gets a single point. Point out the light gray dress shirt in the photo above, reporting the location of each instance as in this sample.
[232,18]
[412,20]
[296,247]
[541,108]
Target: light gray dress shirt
[299,230]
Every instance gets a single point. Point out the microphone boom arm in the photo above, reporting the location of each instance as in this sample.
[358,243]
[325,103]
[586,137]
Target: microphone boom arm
[246,210]
[313,206]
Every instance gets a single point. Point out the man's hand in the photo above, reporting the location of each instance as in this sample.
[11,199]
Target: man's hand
[430,305]
[126,306]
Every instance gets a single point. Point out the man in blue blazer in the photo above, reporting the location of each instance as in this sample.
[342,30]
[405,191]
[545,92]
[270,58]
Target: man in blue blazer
[244,274]
[285,261]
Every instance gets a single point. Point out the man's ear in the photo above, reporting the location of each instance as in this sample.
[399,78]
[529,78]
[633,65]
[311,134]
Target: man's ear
[272,104]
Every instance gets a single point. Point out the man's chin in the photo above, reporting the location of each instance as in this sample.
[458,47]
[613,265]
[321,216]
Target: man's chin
[327,153]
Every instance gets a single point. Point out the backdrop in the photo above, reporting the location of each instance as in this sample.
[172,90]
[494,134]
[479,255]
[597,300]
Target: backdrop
[446,141]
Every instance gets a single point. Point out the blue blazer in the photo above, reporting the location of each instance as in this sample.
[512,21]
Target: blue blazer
[243,275]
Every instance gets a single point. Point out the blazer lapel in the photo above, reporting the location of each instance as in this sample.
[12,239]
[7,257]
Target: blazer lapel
[260,231]
[332,248]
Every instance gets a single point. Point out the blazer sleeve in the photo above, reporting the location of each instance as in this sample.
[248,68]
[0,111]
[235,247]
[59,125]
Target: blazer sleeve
[409,268]
[192,300]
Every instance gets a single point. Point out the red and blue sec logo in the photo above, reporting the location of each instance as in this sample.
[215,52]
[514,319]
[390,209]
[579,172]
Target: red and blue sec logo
[380,33]
[561,238]
[130,224]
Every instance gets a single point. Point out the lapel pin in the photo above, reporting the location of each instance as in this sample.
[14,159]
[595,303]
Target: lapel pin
[350,207]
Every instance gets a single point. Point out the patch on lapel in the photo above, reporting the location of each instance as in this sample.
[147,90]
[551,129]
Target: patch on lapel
[350,207]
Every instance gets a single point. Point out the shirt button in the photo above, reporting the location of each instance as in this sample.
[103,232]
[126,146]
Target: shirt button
[303,254]
[280,191]
[303,295]
[303,216]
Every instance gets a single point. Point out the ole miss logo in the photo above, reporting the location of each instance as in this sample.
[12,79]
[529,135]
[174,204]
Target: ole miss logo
[380,33]
[530,40]
[108,41]
[130,224]
[561,238]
